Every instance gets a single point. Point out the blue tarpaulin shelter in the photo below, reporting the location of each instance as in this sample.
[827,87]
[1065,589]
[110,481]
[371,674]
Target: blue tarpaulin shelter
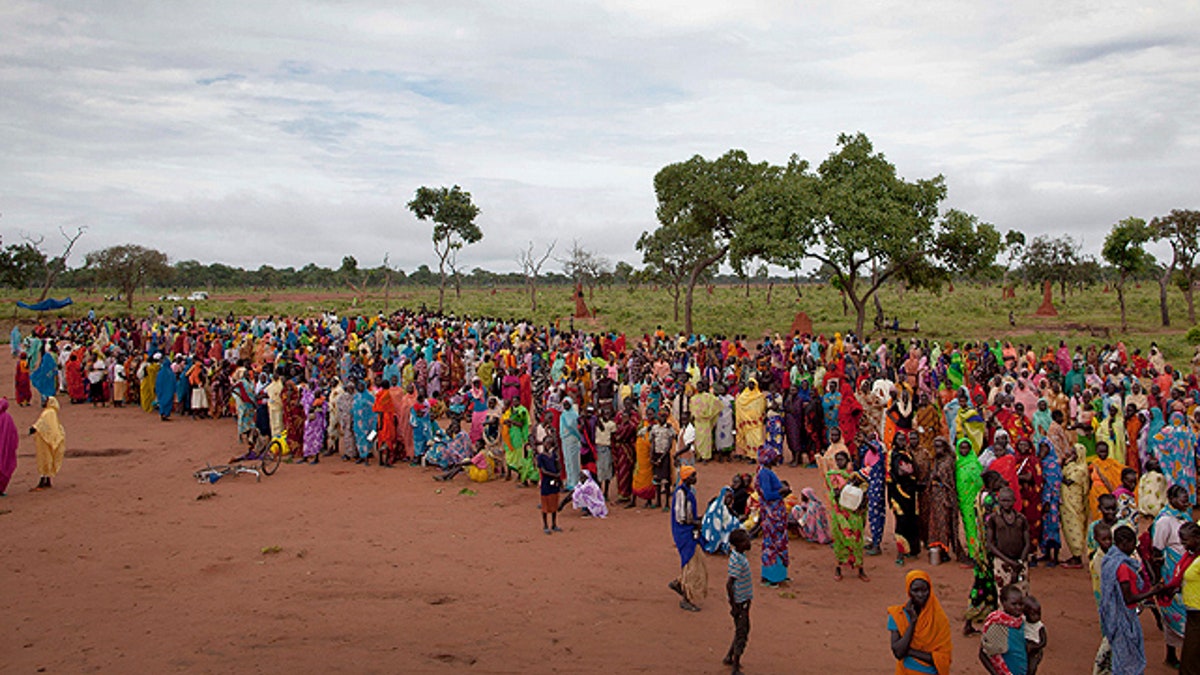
[46,305]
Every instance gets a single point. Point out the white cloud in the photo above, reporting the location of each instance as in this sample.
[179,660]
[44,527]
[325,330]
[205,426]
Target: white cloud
[285,133]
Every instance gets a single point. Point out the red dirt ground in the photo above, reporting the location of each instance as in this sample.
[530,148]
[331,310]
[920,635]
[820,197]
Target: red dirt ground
[119,568]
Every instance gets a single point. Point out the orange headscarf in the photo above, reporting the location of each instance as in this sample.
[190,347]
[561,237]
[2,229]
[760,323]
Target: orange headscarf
[932,633]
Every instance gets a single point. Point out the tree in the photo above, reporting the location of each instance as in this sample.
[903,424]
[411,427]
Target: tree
[1123,249]
[864,224]
[55,266]
[700,198]
[623,272]
[128,267]
[1181,229]
[670,254]
[584,267]
[1050,259]
[531,267]
[349,273]
[20,264]
[453,217]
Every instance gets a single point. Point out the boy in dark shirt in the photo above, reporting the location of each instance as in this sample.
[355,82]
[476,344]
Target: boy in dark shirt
[547,466]
[1008,540]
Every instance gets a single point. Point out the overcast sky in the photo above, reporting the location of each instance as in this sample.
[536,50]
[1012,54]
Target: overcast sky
[295,132]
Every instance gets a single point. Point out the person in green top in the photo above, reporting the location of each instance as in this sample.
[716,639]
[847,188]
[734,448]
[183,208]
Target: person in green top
[514,433]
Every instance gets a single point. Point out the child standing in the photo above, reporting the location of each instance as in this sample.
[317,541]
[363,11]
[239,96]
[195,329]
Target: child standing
[740,591]
[547,466]
[1102,534]
[1008,541]
[662,441]
[604,458]
[1002,649]
[1035,633]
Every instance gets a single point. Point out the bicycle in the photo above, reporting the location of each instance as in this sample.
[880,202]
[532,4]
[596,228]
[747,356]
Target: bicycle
[269,455]
[211,474]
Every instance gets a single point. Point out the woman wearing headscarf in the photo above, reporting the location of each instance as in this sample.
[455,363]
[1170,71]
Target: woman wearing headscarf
[874,470]
[1104,474]
[22,384]
[750,410]
[831,402]
[344,409]
[1042,419]
[1029,480]
[771,451]
[848,524]
[902,488]
[365,421]
[9,440]
[51,441]
[166,383]
[968,482]
[1074,504]
[692,582]
[811,518]
[1175,448]
[982,599]
[478,405]
[719,522]
[920,630]
[942,501]
[514,434]
[775,557]
[1121,591]
[1165,539]
[45,376]
[571,440]
[315,419]
[1051,497]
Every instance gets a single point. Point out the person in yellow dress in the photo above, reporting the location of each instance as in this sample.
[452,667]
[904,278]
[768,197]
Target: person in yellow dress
[750,411]
[51,442]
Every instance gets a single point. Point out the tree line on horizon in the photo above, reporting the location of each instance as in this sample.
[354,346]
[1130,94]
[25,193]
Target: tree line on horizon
[853,221]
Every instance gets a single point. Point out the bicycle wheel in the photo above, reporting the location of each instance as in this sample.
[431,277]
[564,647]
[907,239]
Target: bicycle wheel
[271,457]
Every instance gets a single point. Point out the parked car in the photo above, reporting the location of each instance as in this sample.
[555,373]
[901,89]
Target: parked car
[198,295]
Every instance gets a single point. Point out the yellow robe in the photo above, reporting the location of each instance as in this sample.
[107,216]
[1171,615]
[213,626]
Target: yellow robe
[51,440]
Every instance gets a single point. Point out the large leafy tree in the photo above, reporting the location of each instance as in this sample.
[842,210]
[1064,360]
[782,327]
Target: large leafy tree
[453,217]
[127,267]
[1052,259]
[1180,229]
[20,264]
[864,224]
[669,254]
[700,198]
[1124,250]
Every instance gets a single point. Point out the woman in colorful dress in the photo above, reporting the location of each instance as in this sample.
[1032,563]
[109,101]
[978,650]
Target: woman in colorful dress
[1166,540]
[1175,448]
[943,501]
[774,526]
[751,407]
[982,599]
[1052,484]
[847,523]
[811,517]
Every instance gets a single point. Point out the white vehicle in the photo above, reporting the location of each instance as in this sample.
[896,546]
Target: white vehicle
[198,295]
[169,298]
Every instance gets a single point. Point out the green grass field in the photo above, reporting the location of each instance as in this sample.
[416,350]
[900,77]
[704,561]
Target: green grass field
[968,312]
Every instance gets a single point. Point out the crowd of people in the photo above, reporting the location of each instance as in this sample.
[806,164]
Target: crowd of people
[996,455]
